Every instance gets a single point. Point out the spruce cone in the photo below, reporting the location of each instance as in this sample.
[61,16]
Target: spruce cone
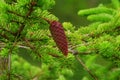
[59,36]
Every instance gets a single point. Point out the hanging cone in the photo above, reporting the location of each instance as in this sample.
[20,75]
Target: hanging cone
[59,36]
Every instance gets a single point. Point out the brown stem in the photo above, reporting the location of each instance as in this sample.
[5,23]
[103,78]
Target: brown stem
[16,13]
[54,55]
[18,32]
[34,40]
[16,21]
[32,47]
[9,59]
[9,66]
[81,62]
[4,36]
[75,52]
[32,4]
[6,30]
[19,77]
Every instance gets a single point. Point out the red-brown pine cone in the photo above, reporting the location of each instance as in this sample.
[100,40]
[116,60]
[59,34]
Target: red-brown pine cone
[59,36]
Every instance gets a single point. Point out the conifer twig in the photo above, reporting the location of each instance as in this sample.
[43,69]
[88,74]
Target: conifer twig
[9,58]
[9,64]
[32,4]
[12,12]
[18,22]
[4,36]
[75,53]
[54,55]
[34,40]
[32,47]
[6,30]
[18,32]
[81,62]
[19,77]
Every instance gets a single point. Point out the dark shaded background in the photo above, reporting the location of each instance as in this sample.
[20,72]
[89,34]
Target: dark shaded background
[66,10]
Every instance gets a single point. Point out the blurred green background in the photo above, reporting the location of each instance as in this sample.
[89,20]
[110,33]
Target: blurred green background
[66,10]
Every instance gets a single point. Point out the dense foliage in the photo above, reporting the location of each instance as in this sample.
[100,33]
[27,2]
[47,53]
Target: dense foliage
[28,52]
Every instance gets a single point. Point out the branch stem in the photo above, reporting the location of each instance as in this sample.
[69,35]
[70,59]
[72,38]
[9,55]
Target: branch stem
[81,62]
[16,14]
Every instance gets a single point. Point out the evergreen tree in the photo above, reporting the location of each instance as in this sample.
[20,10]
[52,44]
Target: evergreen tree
[32,41]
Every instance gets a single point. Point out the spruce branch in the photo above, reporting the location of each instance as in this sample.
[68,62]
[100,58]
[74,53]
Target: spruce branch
[9,66]
[15,21]
[116,57]
[18,32]
[21,28]
[4,36]
[82,63]
[93,35]
[32,47]
[19,77]
[75,52]
[32,4]
[3,64]
[6,30]
[54,55]
[9,58]
[15,13]
[34,40]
